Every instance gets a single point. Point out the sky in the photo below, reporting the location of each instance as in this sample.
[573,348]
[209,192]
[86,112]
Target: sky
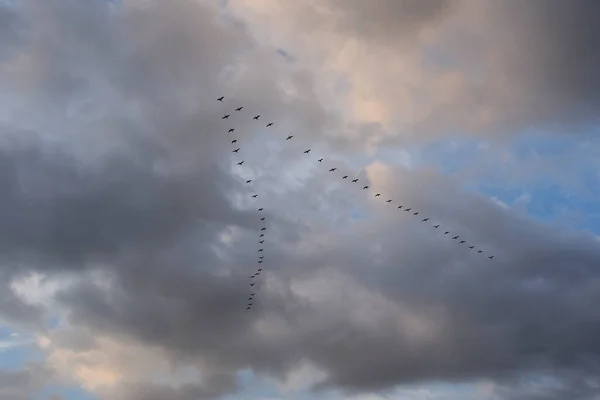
[128,232]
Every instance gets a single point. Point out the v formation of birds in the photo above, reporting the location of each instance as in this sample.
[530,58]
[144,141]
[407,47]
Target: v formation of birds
[263,228]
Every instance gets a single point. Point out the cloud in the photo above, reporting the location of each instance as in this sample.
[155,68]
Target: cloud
[121,210]
[462,66]
[23,384]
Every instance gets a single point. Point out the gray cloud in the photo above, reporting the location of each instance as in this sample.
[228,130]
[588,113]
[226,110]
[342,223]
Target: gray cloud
[481,66]
[23,384]
[124,170]
[387,21]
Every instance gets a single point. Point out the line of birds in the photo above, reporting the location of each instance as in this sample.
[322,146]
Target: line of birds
[263,228]
[345,177]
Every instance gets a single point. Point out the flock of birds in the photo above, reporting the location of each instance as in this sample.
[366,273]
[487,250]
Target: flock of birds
[263,228]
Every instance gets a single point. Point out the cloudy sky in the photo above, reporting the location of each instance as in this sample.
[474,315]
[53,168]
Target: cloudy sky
[128,233]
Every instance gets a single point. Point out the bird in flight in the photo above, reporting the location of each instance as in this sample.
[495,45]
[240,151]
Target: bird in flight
[249,180]
[479,251]
[263,218]
[366,187]
[221,98]
[237,150]
[354,180]
[306,151]
[455,237]
[445,233]
[226,116]
[490,257]
[399,207]
[345,177]
[257,117]
[289,137]
[378,194]
[262,235]
[320,160]
[332,169]
[261,257]
[406,209]
[263,229]
[234,141]
[252,284]
[260,262]
[239,108]
[260,250]
[260,209]
[463,241]
[261,241]
[425,219]
[231,130]
[436,226]
[240,163]
[254,196]
[388,201]
[417,213]
[471,247]
[269,124]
